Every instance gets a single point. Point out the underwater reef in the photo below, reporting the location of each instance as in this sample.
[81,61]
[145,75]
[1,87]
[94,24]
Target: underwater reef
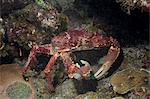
[24,24]
[12,85]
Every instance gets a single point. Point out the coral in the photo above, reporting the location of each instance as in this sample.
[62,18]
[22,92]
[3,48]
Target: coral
[118,98]
[8,6]
[2,33]
[63,23]
[88,95]
[90,26]
[24,33]
[42,4]
[2,44]
[136,56]
[49,19]
[66,90]
[129,5]
[41,88]
[19,90]
[62,4]
[5,51]
[129,79]
[44,18]
[29,26]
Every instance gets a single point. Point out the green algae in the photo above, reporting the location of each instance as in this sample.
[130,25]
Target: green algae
[19,90]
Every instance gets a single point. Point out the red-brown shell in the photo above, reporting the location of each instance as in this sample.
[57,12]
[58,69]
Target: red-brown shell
[75,39]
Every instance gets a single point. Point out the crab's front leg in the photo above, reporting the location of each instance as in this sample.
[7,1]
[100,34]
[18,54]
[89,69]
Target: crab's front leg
[31,58]
[74,70]
[111,56]
[45,49]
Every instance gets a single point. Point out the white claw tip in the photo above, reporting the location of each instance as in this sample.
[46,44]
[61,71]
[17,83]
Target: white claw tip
[77,65]
[85,62]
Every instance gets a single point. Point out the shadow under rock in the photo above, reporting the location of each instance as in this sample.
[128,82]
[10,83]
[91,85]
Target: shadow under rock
[128,29]
[84,86]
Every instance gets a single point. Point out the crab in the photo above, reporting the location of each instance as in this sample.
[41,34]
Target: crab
[67,42]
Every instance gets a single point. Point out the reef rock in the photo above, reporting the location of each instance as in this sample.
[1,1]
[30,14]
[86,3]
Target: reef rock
[88,95]
[130,79]
[66,90]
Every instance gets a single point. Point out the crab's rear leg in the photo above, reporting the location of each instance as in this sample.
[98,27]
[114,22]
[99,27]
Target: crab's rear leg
[112,55]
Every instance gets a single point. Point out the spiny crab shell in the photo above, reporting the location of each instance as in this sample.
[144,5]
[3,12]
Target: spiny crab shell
[65,43]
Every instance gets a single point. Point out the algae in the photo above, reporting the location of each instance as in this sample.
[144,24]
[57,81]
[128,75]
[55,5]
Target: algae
[18,90]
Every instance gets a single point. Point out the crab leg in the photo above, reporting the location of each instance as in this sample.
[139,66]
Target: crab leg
[45,49]
[48,69]
[110,58]
[32,56]
[112,55]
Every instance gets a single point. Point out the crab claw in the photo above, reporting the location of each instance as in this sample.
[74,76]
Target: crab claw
[86,69]
[105,67]
[112,55]
[82,72]
[85,63]
[77,65]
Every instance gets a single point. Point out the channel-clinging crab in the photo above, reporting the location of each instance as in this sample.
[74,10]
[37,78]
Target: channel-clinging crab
[75,40]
